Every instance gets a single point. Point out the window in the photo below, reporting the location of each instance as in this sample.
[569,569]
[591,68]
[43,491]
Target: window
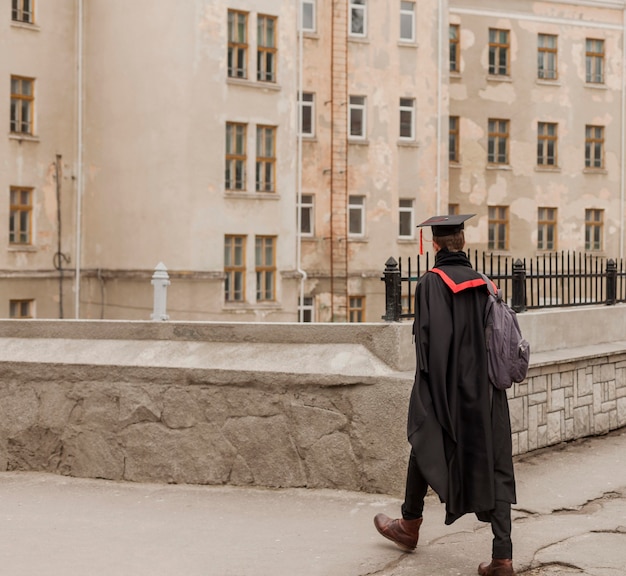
[547,57]
[356,309]
[407,21]
[358,17]
[594,226]
[594,61]
[306,309]
[265,261]
[308,15]
[22,11]
[453,209]
[546,144]
[20,216]
[237,44]
[265,158]
[307,114]
[453,139]
[307,215]
[498,52]
[235,268]
[407,118]
[22,102]
[498,228]
[498,143]
[266,51]
[21,308]
[235,156]
[594,146]
[407,218]
[356,117]
[455,37]
[546,229]
[356,215]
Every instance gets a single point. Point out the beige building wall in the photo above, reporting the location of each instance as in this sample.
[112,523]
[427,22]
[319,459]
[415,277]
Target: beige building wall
[42,161]
[525,100]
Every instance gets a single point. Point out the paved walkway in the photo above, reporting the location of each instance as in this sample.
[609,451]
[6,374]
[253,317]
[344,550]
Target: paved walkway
[571,519]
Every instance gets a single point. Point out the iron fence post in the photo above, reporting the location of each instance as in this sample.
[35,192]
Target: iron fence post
[611,282]
[391,278]
[518,298]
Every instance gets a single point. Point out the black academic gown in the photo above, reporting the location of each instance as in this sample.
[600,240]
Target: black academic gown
[458,423]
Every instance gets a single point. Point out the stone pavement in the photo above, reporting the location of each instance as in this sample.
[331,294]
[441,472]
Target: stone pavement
[570,520]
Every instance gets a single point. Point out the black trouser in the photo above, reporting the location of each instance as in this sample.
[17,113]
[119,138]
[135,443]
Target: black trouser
[499,517]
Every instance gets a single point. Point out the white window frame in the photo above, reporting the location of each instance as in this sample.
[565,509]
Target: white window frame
[356,206]
[308,205]
[311,5]
[411,110]
[407,14]
[306,305]
[403,210]
[355,107]
[357,6]
[310,104]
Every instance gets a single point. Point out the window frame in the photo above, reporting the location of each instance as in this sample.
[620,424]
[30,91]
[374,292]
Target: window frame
[17,211]
[237,45]
[17,10]
[454,134]
[267,48]
[497,49]
[265,271]
[306,305]
[309,106]
[407,15]
[455,48]
[14,303]
[356,308]
[355,108]
[235,158]
[496,136]
[265,181]
[313,14]
[547,222]
[594,227]
[307,206]
[545,141]
[594,147]
[19,100]
[356,208]
[234,270]
[408,208]
[498,226]
[549,54]
[594,60]
[354,7]
[407,107]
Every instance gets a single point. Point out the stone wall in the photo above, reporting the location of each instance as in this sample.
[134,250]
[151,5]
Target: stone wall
[259,404]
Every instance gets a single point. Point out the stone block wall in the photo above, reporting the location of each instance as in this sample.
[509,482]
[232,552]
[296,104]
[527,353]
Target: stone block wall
[565,400]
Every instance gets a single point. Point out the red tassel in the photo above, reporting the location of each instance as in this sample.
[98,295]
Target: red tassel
[421,243]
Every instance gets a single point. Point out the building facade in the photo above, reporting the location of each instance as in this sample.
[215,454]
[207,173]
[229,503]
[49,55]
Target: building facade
[273,155]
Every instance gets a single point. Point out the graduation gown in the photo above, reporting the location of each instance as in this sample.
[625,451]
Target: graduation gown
[458,422]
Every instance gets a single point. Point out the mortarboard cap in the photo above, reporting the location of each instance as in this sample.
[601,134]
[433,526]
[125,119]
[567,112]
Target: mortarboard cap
[445,225]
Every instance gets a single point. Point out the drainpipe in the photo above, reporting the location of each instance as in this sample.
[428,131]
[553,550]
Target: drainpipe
[623,139]
[439,105]
[79,159]
[299,169]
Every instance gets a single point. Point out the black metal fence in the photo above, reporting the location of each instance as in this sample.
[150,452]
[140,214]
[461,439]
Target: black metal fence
[551,280]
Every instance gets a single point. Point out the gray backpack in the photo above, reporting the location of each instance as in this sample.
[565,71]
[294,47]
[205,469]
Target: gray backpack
[508,353]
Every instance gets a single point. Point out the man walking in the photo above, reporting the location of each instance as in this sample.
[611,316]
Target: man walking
[458,423]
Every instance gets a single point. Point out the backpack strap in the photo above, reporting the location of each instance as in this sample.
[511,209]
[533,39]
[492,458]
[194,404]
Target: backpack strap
[491,286]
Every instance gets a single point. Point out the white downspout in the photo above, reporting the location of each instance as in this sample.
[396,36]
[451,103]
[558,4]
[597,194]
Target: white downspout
[79,160]
[439,103]
[623,139]
[299,170]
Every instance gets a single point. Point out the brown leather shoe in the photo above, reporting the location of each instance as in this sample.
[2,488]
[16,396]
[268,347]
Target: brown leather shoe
[498,567]
[404,533]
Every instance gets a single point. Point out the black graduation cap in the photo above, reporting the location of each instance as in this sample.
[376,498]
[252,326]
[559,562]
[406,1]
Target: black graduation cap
[446,225]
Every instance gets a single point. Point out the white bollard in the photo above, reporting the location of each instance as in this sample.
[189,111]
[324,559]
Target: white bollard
[160,281]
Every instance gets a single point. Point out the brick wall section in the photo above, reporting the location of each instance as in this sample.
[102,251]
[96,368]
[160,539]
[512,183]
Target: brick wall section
[562,401]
